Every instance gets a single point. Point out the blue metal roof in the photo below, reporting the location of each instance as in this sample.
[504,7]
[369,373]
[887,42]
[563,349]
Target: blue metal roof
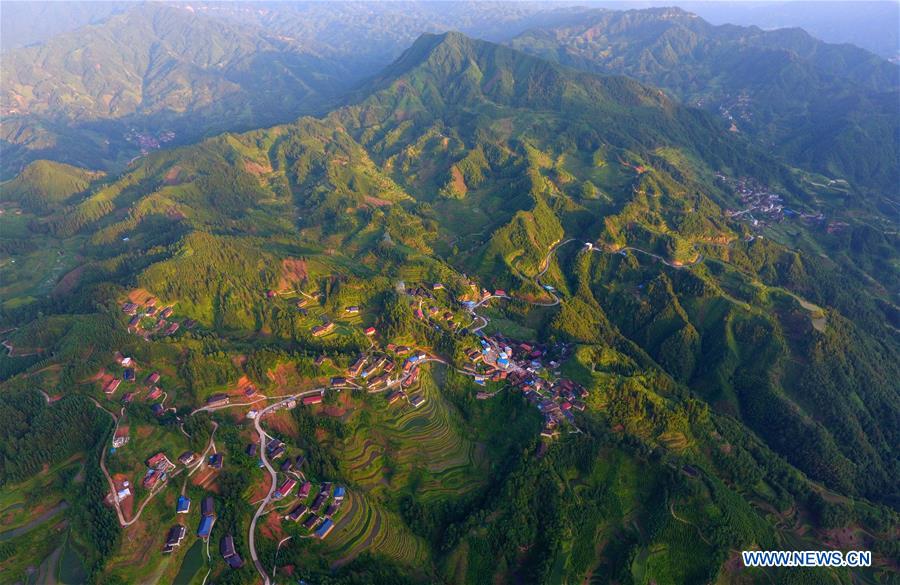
[206,524]
[324,527]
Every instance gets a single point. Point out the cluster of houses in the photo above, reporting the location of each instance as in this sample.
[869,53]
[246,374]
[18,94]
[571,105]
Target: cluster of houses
[762,206]
[129,376]
[147,319]
[176,533]
[158,468]
[379,372]
[318,516]
[328,327]
[521,365]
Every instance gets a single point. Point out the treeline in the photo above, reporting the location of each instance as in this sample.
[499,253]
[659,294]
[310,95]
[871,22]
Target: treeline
[320,461]
[96,522]
[35,434]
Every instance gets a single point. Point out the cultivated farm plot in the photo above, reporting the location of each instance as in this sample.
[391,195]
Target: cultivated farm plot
[367,527]
[422,450]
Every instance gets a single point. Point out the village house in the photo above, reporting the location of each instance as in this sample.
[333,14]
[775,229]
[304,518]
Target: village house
[339,493]
[157,409]
[123,493]
[285,488]
[395,396]
[120,438]
[304,490]
[172,328]
[320,330]
[417,400]
[338,381]
[378,382]
[352,310]
[154,393]
[324,529]
[206,526]
[216,460]
[311,522]
[296,512]
[228,552]
[112,386]
[160,462]
[314,399]
[152,478]
[357,366]
[130,308]
[127,397]
[183,506]
[318,503]
[369,331]
[218,399]
[166,313]
[286,465]
[332,510]
[411,377]
[152,378]
[174,538]
[208,507]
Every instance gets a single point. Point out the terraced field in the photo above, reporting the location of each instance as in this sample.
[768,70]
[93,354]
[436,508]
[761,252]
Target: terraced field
[403,448]
[366,526]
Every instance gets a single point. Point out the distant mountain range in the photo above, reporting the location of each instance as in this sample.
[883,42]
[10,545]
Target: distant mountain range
[831,108]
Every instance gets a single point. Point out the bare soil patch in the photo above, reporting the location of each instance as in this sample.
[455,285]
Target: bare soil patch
[255,168]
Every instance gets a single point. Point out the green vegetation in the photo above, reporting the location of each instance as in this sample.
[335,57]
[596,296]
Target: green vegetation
[739,382]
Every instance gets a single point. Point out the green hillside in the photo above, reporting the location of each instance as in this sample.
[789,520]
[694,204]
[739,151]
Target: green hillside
[44,185]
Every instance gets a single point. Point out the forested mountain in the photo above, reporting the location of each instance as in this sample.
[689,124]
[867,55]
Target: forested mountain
[45,184]
[84,95]
[738,372]
[829,108]
[151,73]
